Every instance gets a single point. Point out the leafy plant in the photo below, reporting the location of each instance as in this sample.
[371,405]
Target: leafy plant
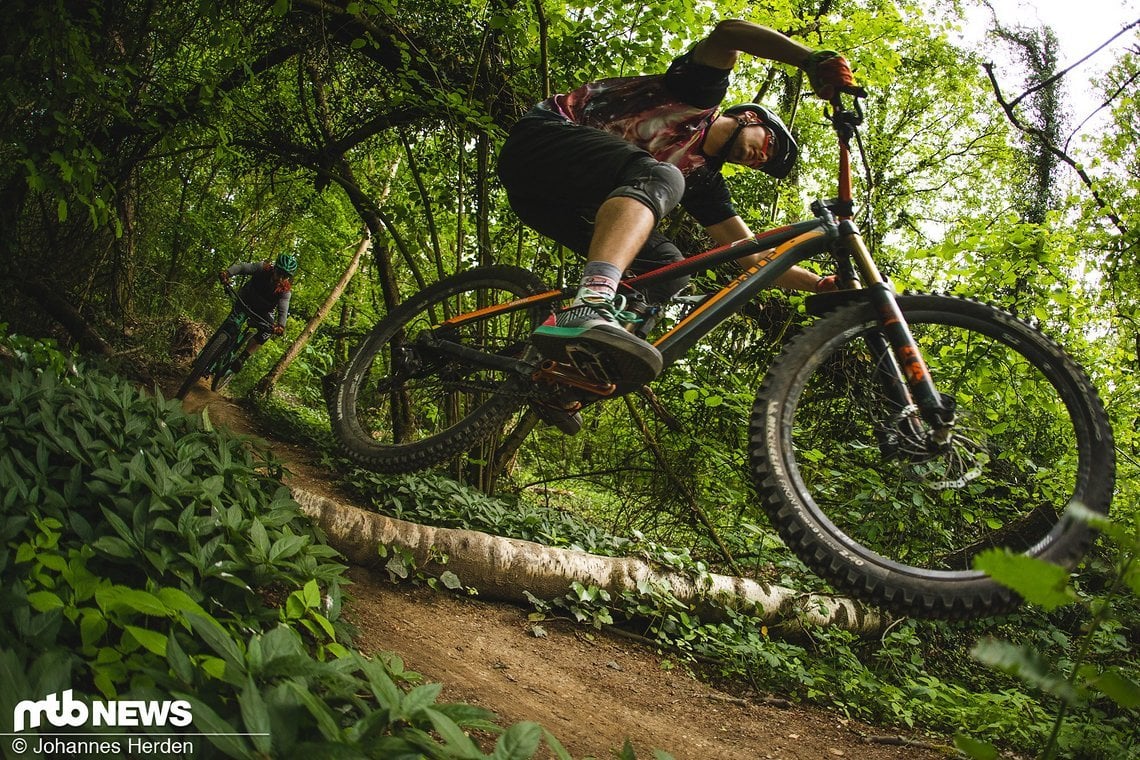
[1077,683]
[583,604]
[147,556]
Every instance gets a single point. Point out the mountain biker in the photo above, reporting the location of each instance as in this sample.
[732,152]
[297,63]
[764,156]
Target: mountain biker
[597,167]
[269,287]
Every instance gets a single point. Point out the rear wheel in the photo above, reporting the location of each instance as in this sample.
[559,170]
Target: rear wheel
[211,353]
[403,406]
[866,500]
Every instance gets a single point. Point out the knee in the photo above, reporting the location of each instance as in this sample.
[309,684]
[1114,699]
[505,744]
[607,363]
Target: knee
[656,184]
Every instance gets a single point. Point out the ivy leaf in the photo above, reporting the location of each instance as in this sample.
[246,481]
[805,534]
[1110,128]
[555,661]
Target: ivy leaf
[1037,581]
[450,580]
[1118,687]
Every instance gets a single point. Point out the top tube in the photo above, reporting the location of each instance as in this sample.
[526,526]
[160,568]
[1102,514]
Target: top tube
[797,242]
[763,241]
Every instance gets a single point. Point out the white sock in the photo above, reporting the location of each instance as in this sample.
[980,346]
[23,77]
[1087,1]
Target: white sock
[599,282]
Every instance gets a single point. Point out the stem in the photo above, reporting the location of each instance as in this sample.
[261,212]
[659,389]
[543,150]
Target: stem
[1099,617]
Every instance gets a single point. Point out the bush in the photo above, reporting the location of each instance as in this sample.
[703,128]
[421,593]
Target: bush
[147,556]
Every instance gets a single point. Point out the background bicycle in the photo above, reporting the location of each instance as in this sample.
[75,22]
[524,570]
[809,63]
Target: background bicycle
[217,358]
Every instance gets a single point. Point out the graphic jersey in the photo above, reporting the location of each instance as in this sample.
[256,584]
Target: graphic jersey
[666,115]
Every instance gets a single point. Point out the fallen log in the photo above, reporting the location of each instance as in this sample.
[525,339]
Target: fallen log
[505,569]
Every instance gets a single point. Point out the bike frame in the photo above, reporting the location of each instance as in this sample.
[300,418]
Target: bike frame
[832,231]
[240,324]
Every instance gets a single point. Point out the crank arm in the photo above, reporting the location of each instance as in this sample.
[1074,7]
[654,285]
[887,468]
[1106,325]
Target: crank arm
[563,374]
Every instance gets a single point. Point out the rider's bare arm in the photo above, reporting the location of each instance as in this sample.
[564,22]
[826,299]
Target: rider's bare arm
[735,228]
[731,37]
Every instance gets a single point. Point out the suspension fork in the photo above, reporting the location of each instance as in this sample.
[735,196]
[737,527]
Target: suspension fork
[895,351]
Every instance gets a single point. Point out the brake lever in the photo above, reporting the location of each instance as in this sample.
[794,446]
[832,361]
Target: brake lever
[845,120]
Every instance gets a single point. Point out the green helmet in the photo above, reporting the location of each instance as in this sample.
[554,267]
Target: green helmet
[287,263]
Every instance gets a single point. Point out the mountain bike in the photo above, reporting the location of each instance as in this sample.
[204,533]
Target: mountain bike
[893,439]
[217,357]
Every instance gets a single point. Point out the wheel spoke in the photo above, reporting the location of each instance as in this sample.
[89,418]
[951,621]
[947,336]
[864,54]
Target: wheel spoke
[405,404]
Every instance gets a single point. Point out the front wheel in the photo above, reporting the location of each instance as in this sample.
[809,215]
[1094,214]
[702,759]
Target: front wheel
[868,502]
[207,358]
[402,406]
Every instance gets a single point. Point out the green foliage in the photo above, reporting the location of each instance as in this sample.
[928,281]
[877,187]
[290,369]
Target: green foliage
[583,604]
[137,483]
[438,500]
[147,146]
[1079,682]
[148,556]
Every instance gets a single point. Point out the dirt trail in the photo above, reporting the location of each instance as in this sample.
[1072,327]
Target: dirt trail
[591,690]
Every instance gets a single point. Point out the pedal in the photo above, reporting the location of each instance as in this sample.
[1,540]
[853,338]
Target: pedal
[589,364]
[604,362]
[559,374]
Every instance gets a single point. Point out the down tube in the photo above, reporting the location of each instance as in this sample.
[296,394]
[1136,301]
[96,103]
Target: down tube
[763,274]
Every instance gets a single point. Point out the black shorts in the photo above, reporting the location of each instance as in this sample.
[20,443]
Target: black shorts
[557,174]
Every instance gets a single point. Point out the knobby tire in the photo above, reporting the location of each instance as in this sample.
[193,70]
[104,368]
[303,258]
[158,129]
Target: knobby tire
[400,408]
[869,511]
[214,349]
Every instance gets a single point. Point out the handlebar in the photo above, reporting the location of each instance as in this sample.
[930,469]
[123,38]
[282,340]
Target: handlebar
[237,299]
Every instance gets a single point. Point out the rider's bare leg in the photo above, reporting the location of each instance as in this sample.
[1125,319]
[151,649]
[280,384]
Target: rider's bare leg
[621,227]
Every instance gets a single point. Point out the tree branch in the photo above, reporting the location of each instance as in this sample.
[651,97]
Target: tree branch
[1062,155]
[1064,72]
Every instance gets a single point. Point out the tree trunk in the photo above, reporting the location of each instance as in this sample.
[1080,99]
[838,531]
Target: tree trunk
[265,386]
[48,298]
[505,569]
